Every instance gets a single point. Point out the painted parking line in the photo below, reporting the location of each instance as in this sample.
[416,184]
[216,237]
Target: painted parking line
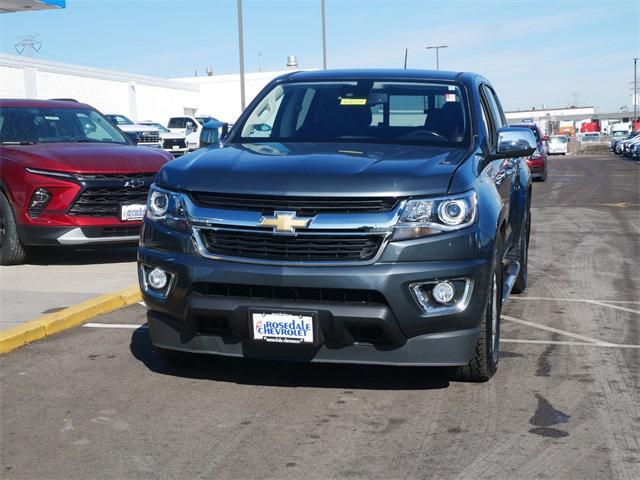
[571,344]
[559,331]
[601,303]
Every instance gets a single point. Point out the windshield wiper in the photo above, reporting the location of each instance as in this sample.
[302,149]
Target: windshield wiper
[21,142]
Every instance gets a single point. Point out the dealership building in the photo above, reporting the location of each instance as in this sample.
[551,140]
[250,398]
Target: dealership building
[140,97]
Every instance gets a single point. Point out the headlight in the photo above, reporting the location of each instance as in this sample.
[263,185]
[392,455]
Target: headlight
[422,217]
[166,207]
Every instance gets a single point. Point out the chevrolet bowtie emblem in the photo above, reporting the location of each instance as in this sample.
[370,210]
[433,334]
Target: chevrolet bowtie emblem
[284,222]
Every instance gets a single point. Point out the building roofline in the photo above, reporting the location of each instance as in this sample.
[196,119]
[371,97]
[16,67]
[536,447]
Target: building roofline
[16,61]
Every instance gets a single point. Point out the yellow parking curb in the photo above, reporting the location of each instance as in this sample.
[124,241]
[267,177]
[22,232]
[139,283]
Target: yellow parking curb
[73,316]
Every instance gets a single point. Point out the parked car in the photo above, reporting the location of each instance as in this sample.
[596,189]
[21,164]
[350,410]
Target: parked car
[630,146]
[69,177]
[174,143]
[557,145]
[142,135]
[620,145]
[190,126]
[365,216]
[616,137]
[537,162]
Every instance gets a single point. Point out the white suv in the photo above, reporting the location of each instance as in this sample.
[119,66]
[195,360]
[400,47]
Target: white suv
[174,143]
[190,126]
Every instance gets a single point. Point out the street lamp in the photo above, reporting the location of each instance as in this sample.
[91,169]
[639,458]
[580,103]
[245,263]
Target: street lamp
[437,49]
[241,48]
[324,37]
[635,91]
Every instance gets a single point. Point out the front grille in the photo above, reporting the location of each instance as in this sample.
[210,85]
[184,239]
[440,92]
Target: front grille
[173,142]
[106,201]
[290,294]
[303,206]
[149,137]
[309,248]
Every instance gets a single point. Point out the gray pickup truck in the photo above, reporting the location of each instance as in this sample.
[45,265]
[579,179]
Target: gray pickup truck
[356,216]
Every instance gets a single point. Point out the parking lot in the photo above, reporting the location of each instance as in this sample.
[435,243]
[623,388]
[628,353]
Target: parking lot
[97,402]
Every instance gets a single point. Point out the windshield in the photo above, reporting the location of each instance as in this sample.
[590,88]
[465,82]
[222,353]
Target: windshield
[25,125]
[359,111]
[120,119]
[558,140]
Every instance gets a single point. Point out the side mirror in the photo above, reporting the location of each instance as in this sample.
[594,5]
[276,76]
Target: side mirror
[189,126]
[133,136]
[515,142]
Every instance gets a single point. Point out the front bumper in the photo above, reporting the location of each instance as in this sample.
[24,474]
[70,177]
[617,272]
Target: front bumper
[392,329]
[31,235]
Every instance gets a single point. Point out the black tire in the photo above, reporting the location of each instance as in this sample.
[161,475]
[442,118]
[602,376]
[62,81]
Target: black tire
[176,358]
[520,284]
[11,250]
[484,362]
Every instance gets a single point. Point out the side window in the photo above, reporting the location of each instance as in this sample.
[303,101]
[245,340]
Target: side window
[487,117]
[494,105]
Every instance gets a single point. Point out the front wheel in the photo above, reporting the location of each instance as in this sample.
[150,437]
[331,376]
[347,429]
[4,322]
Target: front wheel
[520,284]
[11,250]
[484,362]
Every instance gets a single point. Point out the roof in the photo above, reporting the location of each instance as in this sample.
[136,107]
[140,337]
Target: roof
[376,73]
[29,102]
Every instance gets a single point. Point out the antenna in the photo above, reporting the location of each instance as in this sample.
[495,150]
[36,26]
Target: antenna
[406,52]
[28,45]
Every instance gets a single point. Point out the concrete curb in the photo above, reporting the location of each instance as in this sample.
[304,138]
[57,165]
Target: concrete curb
[73,316]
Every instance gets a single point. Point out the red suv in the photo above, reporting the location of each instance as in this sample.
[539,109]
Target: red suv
[68,176]
[537,162]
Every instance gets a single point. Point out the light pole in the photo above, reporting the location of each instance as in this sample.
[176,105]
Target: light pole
[437,49]
[635,90]
[241,48]
[324,37]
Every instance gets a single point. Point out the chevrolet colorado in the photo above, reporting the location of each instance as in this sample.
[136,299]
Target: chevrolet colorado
[354,216]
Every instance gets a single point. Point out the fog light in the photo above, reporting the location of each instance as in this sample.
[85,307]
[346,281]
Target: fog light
[443,292]
[157,279]
[39,200]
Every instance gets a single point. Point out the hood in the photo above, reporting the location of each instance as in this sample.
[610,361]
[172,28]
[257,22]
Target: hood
[137,128]
[88,157]
[316,169]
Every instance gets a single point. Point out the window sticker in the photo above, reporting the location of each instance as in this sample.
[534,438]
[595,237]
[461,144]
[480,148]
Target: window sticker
[450,97]
[353,101]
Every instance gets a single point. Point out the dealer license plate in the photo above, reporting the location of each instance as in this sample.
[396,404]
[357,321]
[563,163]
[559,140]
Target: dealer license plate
[175,147]
[132,212]
[282,327]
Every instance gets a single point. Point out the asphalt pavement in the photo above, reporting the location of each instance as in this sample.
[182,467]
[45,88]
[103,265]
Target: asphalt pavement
[97,402]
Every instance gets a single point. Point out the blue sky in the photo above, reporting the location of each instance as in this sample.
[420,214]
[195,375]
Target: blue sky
[534,52]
